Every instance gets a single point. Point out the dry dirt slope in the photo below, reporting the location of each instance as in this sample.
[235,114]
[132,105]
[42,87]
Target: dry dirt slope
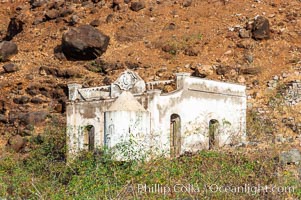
[162,38]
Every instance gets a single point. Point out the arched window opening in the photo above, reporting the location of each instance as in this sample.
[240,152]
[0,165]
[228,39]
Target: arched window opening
[89,138]
[213,133]
[175,135]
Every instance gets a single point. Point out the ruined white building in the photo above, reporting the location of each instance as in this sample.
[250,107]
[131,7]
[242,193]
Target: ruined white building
[199,114]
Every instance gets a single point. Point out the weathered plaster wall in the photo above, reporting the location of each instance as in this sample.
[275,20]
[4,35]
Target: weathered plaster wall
[129,128]
[196,101]
[82,114]
[196,107]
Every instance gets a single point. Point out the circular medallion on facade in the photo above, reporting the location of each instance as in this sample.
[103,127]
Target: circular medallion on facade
[126,81]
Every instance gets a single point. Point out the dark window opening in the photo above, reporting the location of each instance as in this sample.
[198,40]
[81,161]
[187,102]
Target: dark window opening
[89,138]
[213,133]
[175,135]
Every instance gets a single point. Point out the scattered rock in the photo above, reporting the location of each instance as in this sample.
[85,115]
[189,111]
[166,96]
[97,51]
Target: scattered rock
[16,143]
[246,44]
[272,84]
[109,18]
[292,92]
[36,100]
[84,43]
[61,73]
[243,33]
[32,90]
[52,14]
[169,49]
[21,100]
[3,107]
[107,81]
[171,26]
[292,156]
[136,6]
[187,3]
[249,58]
[261,28]
[190,51]
[15,27]
[38,20]
[222,69]
[250,71]
[7,49]
[10,68]
[37,3]
[95,23]
[3,119]
[203,71]
[132,65]
[67,11]
[74,19]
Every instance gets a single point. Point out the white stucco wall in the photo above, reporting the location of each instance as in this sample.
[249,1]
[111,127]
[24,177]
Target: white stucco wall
[80,115]
[196,101]
[131,129]
[196,107]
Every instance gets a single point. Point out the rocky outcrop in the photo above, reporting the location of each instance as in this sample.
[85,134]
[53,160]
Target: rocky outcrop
[84,43]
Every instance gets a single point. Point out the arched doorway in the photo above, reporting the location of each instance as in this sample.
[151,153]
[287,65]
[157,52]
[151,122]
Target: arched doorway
[213,133]
[175,135]
[89,138]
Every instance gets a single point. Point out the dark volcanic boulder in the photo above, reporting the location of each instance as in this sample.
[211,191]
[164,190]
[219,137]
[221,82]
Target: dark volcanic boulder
[261,28]
[7,49]
[84,43]
[15,27]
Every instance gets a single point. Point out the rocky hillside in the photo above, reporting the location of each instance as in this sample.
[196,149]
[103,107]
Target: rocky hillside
[46,44]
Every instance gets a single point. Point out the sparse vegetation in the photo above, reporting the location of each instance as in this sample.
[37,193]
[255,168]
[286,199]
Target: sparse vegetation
[45,174]
[258,128]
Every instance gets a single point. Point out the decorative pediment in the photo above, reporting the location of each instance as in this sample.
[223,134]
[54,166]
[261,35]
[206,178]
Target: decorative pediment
[127,80]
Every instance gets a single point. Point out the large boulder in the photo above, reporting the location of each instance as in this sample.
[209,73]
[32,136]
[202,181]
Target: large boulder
[7,49]
[261,28]
[15,27]
[84,43]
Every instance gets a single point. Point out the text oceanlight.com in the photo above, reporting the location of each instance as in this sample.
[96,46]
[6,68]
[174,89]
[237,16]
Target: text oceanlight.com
[214,188]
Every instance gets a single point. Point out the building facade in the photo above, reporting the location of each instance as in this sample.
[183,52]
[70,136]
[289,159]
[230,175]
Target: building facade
[199,114]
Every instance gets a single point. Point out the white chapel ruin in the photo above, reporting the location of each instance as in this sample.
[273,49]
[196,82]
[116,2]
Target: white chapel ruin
[199,114]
